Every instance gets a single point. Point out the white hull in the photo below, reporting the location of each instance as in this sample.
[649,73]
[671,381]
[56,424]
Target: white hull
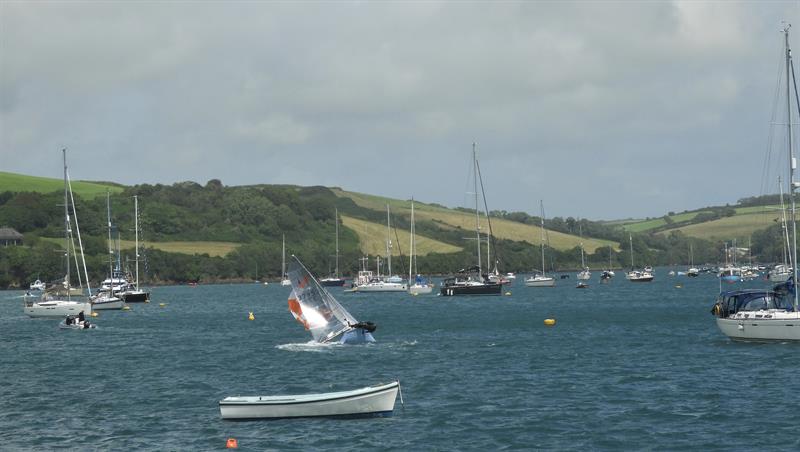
[286,282]
[420,289]
[56,308]
[375,400]
[779,277]
[780,326]
[107,304]
[382,287]
[585,275]
[540,281]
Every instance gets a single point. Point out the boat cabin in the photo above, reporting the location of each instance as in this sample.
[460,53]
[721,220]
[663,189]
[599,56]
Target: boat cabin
[729,303]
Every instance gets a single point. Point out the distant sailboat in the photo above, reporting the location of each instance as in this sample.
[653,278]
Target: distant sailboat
[472,280]
[284,280]
[334,280]
[634,275]
[585,274]
[541,279]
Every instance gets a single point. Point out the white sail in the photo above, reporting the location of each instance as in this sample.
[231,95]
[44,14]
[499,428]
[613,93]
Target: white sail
[314,307]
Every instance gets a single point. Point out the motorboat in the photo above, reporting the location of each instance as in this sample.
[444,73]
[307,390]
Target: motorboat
[38,285]
[371,401]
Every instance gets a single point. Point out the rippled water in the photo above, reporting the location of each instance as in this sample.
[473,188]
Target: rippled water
[628,366]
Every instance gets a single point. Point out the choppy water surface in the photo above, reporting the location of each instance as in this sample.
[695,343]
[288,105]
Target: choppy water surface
[628,366]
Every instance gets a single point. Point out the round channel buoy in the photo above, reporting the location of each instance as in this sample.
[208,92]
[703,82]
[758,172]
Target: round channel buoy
[126,308]
[251,316]
[232,443]
[162,304]
[94,314]
[549,322]
[678,286]
[508,294]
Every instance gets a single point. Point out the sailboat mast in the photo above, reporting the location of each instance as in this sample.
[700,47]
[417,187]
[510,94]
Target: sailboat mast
[388,244]
[784,226]
[541,207]
[136,229]
[477,215]
[336,210]
[66,222]
[411,243]
[792,161]
[283,257]
[630,237]
[110,243]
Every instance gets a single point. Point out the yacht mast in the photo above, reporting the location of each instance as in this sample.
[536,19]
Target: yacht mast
[388,244]
[541,206]
[136,228]
[66,222]
[792,161]
[110,244]
[477,215]
[411,244]
[336,210]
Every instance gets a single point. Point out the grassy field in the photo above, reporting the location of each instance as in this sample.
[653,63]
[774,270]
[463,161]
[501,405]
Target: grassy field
[738,226]
[20,182]
[372,237]
[211,248]
[504,229]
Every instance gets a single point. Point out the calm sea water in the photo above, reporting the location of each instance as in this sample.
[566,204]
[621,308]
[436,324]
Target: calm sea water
[628,366]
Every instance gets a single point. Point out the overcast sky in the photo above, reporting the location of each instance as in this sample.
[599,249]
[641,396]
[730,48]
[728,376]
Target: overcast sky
[602,109]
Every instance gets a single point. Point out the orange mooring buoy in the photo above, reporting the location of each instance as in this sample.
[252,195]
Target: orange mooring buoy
[232,443]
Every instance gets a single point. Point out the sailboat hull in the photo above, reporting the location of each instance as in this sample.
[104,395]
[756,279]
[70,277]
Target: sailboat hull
[332,282]
[540,282]
[56,308]
[784,327]
[136,296]
[477,289]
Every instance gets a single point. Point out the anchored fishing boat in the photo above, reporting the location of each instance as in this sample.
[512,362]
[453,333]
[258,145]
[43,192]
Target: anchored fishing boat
[370,401]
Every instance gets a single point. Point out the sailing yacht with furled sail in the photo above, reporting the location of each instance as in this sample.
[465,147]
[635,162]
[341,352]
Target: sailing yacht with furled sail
[421,285]
[766,315]
[133,293]
[472,280]
[585,274]
[635,275]
[541,279]
[56,302]
[334,280]
[319,312]
[367,282]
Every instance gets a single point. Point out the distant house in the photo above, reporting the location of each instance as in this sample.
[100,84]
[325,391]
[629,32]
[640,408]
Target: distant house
[10,236]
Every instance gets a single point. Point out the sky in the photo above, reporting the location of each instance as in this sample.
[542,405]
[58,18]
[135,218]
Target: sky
[603,110]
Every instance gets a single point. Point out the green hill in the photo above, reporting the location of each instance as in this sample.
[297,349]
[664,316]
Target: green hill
[19,182]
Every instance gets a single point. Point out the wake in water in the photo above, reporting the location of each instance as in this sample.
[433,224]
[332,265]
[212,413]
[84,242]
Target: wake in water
[310,346]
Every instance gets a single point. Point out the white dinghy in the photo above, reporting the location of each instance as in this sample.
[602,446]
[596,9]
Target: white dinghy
[365,402]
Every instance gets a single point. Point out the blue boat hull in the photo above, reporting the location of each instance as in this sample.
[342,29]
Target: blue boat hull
[356,336]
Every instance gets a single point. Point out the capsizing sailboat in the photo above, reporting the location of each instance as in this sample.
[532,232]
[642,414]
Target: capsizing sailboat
[320,313]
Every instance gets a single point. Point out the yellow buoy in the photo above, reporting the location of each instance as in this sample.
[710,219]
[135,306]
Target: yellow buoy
[162,304]
[251,316]
[678,286]
[126,308]
[95,314]
[549,322]
[508,294]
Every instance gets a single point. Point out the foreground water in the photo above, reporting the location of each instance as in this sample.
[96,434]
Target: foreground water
[628,366]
